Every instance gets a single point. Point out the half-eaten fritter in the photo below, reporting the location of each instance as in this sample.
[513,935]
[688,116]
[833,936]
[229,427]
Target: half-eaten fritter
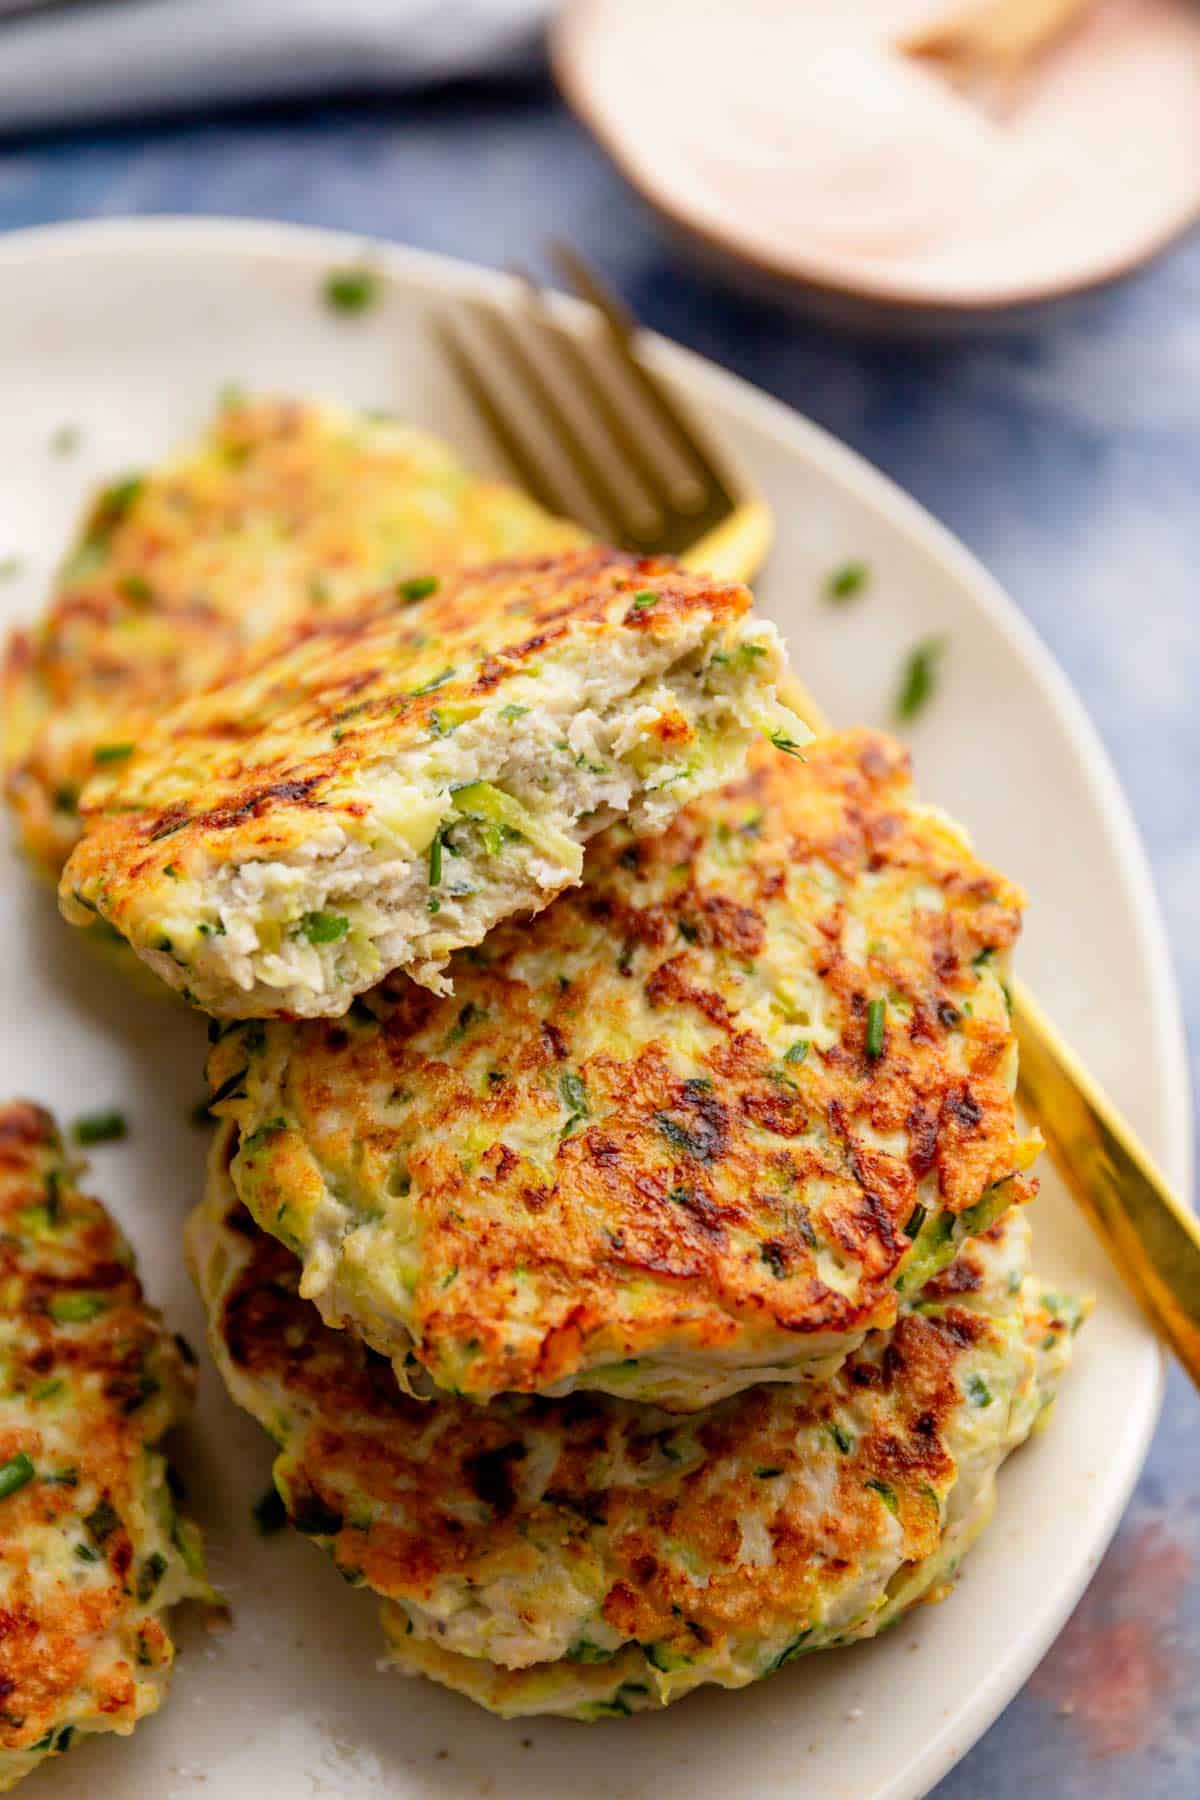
[377,790]
[282,508]
[693,1128]
[92,1550]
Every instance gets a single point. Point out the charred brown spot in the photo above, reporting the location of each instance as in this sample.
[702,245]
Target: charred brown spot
[491,1476]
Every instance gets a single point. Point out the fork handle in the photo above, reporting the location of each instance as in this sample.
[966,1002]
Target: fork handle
[1153,1239]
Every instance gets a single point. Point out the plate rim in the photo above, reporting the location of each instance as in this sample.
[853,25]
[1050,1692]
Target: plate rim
[877,491]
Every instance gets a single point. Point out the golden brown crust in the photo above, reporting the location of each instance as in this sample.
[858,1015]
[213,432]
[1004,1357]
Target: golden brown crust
[609,1144]
[90,1379]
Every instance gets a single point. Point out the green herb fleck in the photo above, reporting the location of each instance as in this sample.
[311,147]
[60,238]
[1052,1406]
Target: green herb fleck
[16,1472]
[352,290]
[842,1439]
[919,678]
[512,712]
[978,1391]
[431,686]
[324,927]
[99,1128]
[768,1474]
[788,745]
[798,1051]
[435,860]
[887,1495]
[76,1309]
[876,1017]
[102,1521]
[574,1095]
[136,588]
[846,582]
[417,587]
[109,753]
[645,599]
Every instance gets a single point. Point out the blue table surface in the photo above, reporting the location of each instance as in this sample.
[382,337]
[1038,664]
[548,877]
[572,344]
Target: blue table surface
[1088,426]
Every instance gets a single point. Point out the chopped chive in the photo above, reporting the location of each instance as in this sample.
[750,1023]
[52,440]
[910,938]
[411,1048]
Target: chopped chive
[645,599]
[16,1472]
[107,753]
[876,1015]
[887,1495]
[149,1575]
[417,587]
[86,1554]
[435,860]
[798,1051]
[102,1521]
[352,290]
[76,1309]
[919,678]
[768,1473]
[788,745]
[842,1439]
[135,587]
[574,1093]
[431,686]
[512,712]
[846,581]
[99,1128]
[978,1391]
[324,927]
[269,1514]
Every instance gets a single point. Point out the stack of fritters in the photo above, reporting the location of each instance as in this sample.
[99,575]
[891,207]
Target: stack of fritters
[690,1225]
[616,1211]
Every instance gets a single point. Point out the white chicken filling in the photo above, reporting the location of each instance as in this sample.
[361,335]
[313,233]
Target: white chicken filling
[425,851]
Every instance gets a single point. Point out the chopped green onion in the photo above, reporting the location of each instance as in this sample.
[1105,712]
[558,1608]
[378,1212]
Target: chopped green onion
[106,753]
[324,927]
[887,1495]
[876,1015]
[574,1093]
[919,679]
[978,1391]
[149,1575]
[788,745]
[846,581]
[435,860]
[646,598]
[99,1128]
[135,587]
[102,1521]
[431,686]
[798,1051]
[352,290]
[76,1309]
[417,587]
[16,1472]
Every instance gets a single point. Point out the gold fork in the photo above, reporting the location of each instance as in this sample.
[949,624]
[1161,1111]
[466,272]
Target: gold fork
[989,48]
[581,414]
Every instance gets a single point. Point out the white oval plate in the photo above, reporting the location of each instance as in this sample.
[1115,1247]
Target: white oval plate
[127,330]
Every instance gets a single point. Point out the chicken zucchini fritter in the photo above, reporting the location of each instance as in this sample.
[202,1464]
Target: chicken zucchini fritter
[92,1551]
[283,507]
[689,1130]
[593,1557]
[377,790]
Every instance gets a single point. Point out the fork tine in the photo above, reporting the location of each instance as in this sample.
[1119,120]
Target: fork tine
[499,420]
[588,379]
[623,330]
[604,496]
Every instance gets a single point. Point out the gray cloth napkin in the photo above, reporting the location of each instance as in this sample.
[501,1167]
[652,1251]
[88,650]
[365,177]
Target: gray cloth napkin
[111,59]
